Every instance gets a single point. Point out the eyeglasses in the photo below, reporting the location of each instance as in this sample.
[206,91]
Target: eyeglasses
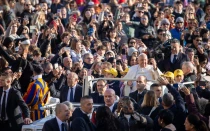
[89,58]
[141,12]
[27,4]
[198,40]
[179,22]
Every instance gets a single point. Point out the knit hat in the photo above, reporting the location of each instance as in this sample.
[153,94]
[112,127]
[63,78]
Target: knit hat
[165,21]
[121,1]
[79,2]
[131,50]
[96,2]
[110,51]
[179,19]
[112,71]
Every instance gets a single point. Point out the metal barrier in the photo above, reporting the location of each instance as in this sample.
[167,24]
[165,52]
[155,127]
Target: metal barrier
[88,85]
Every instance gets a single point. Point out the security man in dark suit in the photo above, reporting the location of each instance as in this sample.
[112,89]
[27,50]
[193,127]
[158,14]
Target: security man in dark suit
[175,60]
[98,97]
[81,116]
[10,101]
[138,95]
[72,92]
[59,122]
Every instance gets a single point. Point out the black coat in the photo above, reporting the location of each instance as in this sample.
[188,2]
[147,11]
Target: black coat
[77,94]
[134,125]
[81,121]
[14,100]
[138,98]
[52,125]
[97,99]
[166,65]
[27,72]
[115,85]
[146,111]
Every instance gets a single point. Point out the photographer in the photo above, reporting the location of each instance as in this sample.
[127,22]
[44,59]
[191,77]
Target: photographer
[131,120]
[175,60]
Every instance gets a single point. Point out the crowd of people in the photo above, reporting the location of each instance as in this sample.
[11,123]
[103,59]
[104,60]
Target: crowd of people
[48,47]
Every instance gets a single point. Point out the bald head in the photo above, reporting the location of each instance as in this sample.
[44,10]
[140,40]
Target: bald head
[67,62]
[142,59]
[109,97]
[110,91]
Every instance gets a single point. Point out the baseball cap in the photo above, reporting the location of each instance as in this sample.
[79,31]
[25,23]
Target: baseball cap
[169,74]
[112,71]
[178,72]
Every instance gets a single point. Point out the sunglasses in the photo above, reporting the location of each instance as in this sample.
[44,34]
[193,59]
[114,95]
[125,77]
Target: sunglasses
[27,4]
[198,40]
[179,22]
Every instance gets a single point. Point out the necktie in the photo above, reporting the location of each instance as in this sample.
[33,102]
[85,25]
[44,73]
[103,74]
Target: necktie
[174,60]
[63,127]
[71,95]
[3,113]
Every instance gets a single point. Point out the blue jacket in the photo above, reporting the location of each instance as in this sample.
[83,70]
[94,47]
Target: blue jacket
[176,33]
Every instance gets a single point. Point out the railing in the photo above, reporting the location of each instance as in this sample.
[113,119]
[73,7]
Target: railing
[88,85]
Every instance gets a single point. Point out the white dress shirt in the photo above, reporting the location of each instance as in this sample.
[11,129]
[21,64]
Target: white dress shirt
[172,57]
[69,92]
[111,107]
[37,77]
[7,92]
[59,123]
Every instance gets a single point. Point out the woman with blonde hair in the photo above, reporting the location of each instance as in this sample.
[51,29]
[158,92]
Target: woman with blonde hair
[39,19]
[149,105]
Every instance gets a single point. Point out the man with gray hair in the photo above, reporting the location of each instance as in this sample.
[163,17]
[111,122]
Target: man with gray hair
[173,101]
[189,73]
[88,60]
[72,92]
[151,72]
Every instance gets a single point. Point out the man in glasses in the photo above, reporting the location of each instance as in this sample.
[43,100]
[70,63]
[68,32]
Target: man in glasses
[27,12]
[177,31]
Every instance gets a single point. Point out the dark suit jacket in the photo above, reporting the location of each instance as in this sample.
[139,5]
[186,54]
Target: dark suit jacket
[77,94]
[14,114]
[81,121]
[136,97]
[166,64]
[51,125]
[96,98]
